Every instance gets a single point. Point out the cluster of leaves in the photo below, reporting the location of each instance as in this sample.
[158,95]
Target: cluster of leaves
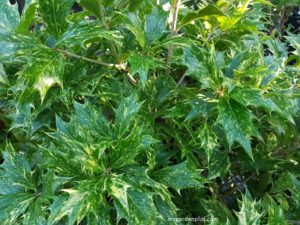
[141,112]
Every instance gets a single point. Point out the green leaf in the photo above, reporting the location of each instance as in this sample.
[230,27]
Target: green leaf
[14,205]
[135,205]
[54,13]
[179,176]
[249,212]
[236,121]
[202,104]
[219,211]
[126,113]
[85,200]
[3,76]
[155,25]
[91,120]
[27,18]
[9,15]
[16,174]
[275,213]
[141,64]
[208,140]
[86,33]
[209,10]
[134,24]
[94,6]
[253,97]
[219,165]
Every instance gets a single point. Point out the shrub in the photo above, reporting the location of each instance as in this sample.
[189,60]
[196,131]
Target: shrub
[148,112]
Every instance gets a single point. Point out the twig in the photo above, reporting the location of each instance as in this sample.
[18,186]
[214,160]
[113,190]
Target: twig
[182,78]
[71,54]
[173,32]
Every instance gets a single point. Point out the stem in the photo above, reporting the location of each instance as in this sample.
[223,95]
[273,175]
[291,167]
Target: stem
[173,33]
[117,66]
[182,78]
[71,54]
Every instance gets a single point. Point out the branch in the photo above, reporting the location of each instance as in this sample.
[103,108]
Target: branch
[182,78]
[173,33]
[73,55]
[117,66]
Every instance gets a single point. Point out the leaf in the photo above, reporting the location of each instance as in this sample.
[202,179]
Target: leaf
[219,165]
[85,200]
[136,206]
[209,10]
[14,205]
[35,214]
[93,6]
[54,13]
[27,18]
[253,97]
[90,119]
[3,76]
[17,188]
[179,177]
[191,61]
[126,113]
[141,64]
[9,16]
[134,24]
[275,213]
[16,174]
[219,211]
[86,33]
[236,121]
[202,104]
[208,140]
[155,25]
[249,213]
[235,63]
[40,67]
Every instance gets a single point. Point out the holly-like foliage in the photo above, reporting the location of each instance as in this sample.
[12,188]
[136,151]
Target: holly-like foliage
[148,112]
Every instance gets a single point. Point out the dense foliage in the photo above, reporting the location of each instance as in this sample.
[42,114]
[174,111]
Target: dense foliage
[149,112]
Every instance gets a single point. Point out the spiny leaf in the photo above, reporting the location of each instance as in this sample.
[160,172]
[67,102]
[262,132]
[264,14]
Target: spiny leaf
[209,10]
[141,64]
[155,25]
[93,6]
[126,113]
[135,205]
[253,97]
[54,13]
[275,213]
[9,15]
[27,18]
[85,33]
[134,24]
[179,177]
[236,121]
[249,213]
[208,140]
